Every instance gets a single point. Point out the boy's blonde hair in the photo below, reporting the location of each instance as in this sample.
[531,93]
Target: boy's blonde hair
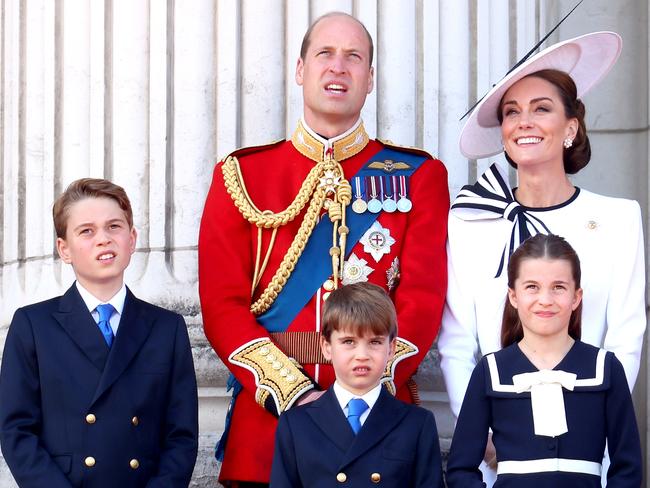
[88,188]
[360,308]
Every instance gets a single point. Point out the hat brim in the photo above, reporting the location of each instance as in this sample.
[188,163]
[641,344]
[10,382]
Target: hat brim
[587,59]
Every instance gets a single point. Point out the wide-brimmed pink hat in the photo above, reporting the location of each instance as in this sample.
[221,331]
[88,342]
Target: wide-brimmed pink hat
[587,59]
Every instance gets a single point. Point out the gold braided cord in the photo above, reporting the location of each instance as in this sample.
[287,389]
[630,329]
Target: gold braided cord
[237,190]
[312,191]
[344,195]
[290,259]
[259,270]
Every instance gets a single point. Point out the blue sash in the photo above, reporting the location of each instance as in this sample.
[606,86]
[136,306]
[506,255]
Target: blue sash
[313,266]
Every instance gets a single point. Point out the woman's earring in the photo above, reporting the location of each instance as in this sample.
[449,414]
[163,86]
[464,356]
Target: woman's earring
[568,142]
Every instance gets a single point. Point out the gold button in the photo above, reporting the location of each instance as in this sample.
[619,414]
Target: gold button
[89,461]
[90,418]
[135,421]
[592,224]
[375,477]
[290,378]
[264,351]
[341,477]
[326,295]
[328,285]
[134,463]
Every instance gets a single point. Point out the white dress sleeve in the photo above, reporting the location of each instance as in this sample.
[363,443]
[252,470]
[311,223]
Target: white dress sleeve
[458,340]
[626,314]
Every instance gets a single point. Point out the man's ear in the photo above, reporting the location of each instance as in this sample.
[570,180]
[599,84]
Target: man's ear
[300,65]
[371,79]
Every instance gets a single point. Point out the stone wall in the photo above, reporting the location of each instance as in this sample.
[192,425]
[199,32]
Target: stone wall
[151,93]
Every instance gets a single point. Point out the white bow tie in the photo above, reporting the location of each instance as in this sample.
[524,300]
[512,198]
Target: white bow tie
[547,399]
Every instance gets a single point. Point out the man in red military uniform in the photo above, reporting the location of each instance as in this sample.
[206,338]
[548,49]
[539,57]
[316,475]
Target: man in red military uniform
[285,224]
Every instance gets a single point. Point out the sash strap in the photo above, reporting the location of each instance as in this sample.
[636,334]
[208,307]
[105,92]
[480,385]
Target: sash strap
[304,347]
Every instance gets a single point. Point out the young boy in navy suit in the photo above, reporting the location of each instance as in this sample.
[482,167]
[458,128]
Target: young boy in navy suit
[97,387]
[357,433]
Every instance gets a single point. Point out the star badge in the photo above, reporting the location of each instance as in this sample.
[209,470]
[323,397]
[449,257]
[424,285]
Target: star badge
[355,270]
[377,241]
[329,181]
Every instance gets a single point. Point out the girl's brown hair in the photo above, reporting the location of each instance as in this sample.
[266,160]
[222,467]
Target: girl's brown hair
[539,247]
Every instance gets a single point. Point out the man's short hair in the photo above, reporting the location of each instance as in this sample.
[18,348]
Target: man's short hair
[360,308]
[88,188]
[307,38]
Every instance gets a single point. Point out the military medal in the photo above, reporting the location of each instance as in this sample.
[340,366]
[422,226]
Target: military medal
[359,206]
[377,241]
[374,205]
[393,274]
[389,204]
[403,204]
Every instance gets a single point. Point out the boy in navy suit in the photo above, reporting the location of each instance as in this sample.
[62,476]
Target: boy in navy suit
[357,433]
[97,387]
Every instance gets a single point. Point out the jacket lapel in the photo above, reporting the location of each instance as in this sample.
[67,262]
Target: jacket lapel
[326,413]
[384,416]
[77,321]
[133,330]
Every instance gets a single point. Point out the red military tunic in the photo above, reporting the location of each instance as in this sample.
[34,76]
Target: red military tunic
[413,269]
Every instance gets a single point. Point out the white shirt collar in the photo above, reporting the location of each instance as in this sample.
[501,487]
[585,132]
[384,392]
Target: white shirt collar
[344,396]
[328,143]
[92,301]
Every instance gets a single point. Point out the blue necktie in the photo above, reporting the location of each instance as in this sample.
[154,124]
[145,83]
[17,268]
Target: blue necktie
[105,311]
[356,407]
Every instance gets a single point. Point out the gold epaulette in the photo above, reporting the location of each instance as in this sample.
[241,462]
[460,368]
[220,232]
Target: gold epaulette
[403,350]
[408,149]
[280,380]
[243,151]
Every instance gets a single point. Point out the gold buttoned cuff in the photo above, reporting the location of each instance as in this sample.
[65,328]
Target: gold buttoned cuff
[279,378]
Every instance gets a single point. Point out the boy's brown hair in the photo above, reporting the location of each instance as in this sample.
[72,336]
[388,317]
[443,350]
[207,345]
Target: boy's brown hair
[360,308]
[88,188]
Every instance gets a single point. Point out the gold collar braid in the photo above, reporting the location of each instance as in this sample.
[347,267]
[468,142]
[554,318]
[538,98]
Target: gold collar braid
[341,147]
[324,187]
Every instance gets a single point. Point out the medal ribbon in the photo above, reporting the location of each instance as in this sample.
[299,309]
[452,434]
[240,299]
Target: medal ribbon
[312,269]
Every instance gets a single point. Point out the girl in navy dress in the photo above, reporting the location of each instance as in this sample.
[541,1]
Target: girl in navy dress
[551,401]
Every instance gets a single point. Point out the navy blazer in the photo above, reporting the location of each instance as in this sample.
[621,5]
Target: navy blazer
[397,446]
[75,413]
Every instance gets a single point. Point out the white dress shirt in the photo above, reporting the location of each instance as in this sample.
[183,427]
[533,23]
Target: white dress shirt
[92,301]
[344,397]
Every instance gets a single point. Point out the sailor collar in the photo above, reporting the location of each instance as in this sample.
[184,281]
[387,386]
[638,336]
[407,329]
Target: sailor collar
[341,147]
[504,365]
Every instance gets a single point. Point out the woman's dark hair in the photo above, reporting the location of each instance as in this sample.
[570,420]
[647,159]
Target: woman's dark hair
[539,247]
[579,154]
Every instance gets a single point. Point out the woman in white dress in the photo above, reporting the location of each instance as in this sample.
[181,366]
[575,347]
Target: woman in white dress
[536,116]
